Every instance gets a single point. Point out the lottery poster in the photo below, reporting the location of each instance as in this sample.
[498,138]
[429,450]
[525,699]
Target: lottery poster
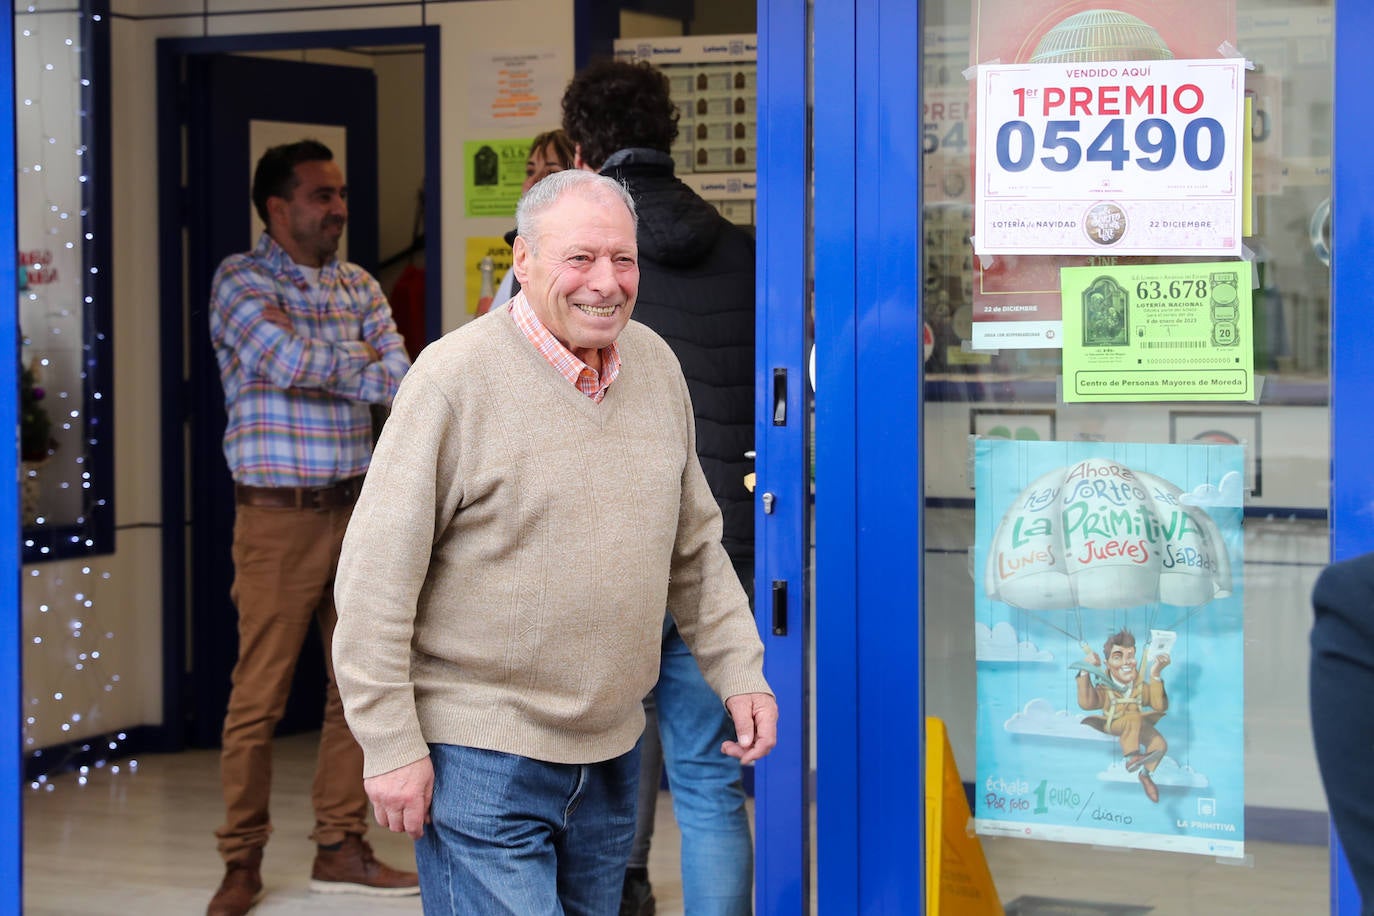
[1015,295]
[1131,158]
[494,176]
[1164,332]
[1109,645]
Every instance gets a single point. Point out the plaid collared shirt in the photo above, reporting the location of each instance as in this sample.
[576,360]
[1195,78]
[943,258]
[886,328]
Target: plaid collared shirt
[298,400]
[588,381]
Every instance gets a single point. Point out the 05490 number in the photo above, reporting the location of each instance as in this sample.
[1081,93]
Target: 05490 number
[1155,148]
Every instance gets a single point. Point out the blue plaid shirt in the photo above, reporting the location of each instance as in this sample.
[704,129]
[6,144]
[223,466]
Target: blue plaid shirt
[298,401]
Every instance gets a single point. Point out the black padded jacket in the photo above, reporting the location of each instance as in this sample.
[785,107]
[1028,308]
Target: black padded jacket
[696,289]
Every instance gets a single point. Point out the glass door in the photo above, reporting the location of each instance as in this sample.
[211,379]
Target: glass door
[1116,578]
[912,392]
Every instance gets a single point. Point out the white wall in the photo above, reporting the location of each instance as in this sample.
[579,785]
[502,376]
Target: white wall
[124,588]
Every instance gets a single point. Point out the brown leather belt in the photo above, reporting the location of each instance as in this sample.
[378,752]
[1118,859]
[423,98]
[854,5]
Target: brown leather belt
[334,496]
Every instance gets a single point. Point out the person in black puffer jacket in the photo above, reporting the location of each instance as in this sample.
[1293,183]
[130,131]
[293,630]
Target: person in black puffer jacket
[696,289]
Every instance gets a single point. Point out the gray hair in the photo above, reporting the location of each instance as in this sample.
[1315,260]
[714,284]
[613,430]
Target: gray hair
[538,199]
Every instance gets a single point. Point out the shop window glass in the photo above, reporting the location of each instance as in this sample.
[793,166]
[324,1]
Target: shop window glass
[1234,782]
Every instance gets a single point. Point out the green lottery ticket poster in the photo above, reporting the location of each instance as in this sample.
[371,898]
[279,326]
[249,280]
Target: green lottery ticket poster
[1161,332]
[493,176]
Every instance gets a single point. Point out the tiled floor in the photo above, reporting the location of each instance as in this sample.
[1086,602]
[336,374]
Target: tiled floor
[140,842]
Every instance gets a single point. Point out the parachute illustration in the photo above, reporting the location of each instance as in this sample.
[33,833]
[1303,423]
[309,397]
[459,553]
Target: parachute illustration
[1099,535]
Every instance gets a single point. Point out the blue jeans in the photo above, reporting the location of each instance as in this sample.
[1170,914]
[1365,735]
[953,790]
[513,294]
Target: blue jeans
[511,836]
[707,789]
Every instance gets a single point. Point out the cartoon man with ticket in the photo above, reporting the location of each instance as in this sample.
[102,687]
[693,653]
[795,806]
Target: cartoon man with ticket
[1131,702]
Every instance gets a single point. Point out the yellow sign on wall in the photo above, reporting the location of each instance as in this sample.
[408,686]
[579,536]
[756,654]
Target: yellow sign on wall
[479,247]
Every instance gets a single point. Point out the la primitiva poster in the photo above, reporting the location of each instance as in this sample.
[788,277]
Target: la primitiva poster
[1109,644]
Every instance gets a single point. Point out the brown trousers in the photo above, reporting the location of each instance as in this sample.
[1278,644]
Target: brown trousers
[284,565]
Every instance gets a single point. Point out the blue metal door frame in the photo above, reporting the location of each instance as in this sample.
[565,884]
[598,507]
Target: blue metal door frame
[865,197]
[870,718]
[839,847]
[781,818]
[11,679]
[1352,326]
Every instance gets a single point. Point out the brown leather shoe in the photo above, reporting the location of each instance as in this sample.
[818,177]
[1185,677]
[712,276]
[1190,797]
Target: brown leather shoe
[240,890]
[353,869]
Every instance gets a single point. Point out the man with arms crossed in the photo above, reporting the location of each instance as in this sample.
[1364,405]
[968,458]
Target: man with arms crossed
[305,343]
[534,504]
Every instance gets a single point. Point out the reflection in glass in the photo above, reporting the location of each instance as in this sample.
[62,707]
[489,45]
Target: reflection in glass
[61,281]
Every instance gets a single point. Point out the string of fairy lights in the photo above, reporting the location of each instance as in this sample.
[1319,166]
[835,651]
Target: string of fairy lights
[67,648]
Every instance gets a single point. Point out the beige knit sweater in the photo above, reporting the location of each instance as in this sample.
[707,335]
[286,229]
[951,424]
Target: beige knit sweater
[503,579]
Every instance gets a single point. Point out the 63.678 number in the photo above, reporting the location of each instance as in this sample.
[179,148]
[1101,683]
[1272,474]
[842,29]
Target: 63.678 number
[1156,145]
[1174,289]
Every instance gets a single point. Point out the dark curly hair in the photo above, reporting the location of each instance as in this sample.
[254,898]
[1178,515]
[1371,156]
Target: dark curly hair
[615,104]
[275,175]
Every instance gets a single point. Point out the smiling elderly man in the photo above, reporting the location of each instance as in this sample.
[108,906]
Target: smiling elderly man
[534,502]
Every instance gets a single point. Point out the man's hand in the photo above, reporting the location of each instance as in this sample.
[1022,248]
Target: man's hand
[275,315]
[756,726]
[400,798]
[372,354]
[1160,662]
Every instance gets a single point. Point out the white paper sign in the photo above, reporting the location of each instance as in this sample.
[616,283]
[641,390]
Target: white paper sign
[516,91]
[1133,157]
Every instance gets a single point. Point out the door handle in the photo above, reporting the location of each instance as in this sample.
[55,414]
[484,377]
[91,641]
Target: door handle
[779,397]
[779,607]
